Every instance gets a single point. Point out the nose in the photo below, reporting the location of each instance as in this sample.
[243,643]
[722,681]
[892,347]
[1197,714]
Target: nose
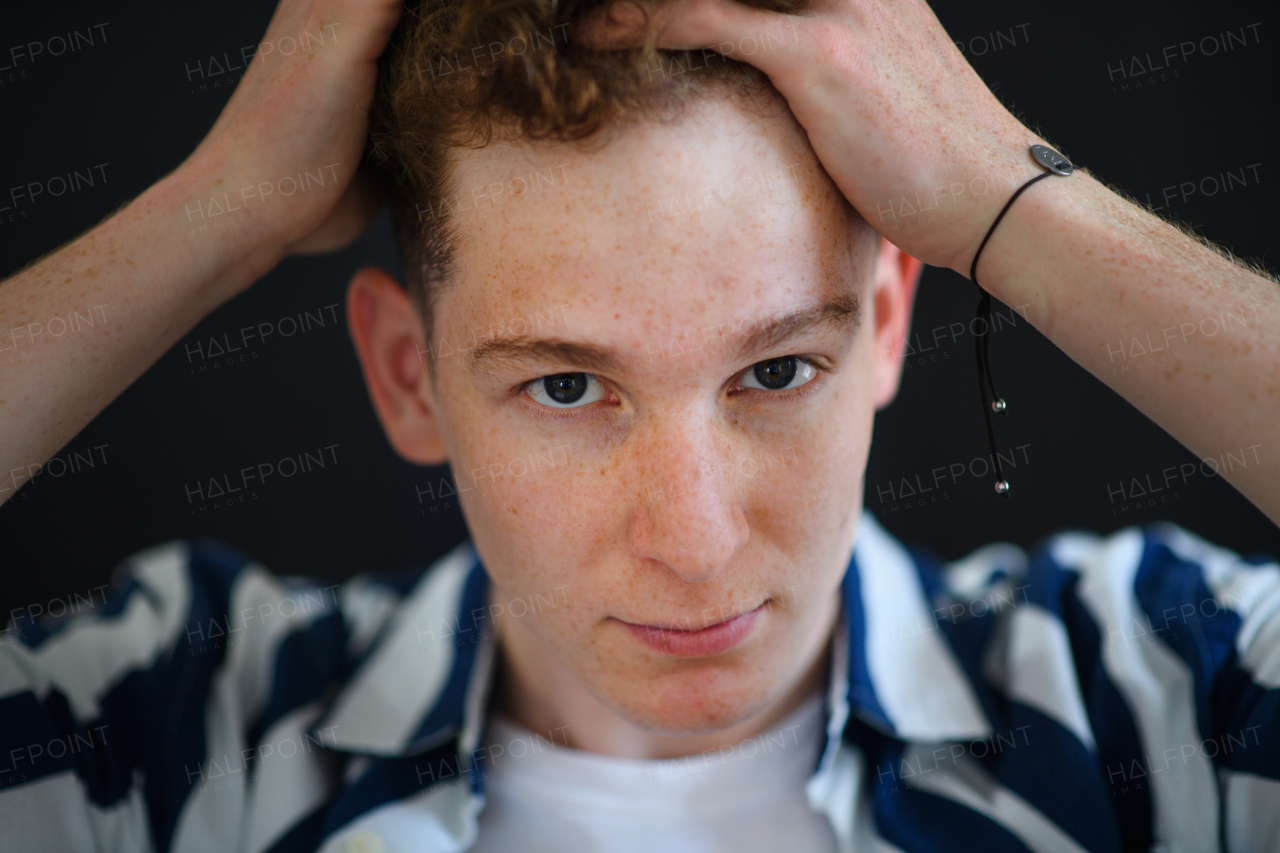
[690,517]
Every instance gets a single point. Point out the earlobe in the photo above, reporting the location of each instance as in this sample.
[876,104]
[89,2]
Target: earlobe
[389,341]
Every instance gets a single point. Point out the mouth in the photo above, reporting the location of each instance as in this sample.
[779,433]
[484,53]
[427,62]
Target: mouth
[703,642]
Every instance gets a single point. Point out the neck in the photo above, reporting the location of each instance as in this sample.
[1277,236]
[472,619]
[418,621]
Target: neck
[535,690]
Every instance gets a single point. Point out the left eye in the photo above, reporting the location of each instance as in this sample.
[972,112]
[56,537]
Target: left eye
[566,390]
[779,374]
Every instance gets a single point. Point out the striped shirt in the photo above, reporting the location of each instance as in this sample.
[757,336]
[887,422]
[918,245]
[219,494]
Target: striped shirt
[1099,694]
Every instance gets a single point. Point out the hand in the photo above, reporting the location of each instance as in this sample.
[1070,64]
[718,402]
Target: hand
[171,256]
[893,110]
[301,111]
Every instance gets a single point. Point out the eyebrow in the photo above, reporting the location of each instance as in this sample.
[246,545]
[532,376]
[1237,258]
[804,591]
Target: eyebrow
[495,351]
[841,313]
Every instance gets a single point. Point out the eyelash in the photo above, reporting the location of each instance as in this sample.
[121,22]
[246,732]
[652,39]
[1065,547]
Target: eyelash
[522,389]
[790,393]
[566,414]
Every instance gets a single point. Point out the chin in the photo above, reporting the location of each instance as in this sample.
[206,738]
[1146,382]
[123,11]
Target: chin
[697,699]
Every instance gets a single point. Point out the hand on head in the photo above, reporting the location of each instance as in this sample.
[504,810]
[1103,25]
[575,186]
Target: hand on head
[892,108]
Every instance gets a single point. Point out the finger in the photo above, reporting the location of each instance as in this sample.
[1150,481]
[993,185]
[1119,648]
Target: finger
[617,26]
[763,38]
[693,24]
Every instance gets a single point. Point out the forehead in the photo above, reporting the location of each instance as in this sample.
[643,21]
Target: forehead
[721,215]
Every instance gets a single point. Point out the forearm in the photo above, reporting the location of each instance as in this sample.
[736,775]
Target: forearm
[1188,337]
[151,272]
[81,325]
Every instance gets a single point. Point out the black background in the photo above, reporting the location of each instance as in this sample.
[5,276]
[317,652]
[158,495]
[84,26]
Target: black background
[128,102]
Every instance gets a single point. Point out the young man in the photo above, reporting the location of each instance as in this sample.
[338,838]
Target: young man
[674,628]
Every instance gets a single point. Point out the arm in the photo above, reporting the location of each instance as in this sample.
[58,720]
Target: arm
[1107,281]
[896,114]
[149,273]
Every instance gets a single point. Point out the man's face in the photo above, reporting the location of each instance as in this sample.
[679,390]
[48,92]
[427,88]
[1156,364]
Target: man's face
[721,339]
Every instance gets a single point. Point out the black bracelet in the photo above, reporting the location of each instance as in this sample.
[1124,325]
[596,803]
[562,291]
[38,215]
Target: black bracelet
[1055,164]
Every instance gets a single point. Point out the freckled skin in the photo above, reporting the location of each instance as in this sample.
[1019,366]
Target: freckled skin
[679,499]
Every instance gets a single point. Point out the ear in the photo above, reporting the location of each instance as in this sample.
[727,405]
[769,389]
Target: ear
[391,345]
[894,289]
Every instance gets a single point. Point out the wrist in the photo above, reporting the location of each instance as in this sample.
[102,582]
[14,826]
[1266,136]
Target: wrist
[1054,220]
[223,244]
[979,193]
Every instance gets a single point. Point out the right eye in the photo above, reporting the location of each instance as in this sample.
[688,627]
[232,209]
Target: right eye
[777,374]
[566,390]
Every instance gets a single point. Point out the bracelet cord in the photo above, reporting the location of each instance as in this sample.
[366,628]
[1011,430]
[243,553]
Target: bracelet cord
[991,401]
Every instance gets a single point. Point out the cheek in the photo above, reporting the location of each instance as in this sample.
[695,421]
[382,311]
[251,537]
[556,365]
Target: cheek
[821,457]
[546,506]
[539,513]
[807,490]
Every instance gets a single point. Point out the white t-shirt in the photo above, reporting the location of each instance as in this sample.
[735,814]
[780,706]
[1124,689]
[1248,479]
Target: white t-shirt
[544,797]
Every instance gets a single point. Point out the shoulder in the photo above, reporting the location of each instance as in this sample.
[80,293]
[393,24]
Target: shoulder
[197,598]
[1145,605]
[1155,615]
[1155,568]
[1152,567]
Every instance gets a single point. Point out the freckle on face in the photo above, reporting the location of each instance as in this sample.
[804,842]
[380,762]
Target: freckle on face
[651,513]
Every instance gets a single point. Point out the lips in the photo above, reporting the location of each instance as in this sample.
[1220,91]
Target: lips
[711,640]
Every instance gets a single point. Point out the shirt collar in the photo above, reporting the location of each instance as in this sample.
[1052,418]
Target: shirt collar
[427,679]
[903,677]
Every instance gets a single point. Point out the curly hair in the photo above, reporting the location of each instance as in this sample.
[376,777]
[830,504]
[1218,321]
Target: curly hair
[462,73]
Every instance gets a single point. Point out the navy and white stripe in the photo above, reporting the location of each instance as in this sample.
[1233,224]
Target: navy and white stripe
[1101,694]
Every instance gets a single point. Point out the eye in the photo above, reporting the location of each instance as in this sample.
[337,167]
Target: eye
[566,390]
[779,374]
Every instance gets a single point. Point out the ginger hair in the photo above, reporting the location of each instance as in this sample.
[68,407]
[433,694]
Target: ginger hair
[463,73]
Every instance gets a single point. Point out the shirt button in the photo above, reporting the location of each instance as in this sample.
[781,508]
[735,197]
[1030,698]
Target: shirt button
[365,842]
